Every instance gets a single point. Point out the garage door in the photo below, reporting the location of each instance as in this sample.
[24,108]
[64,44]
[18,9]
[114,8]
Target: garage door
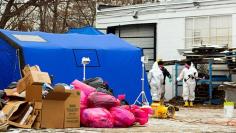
[140,35]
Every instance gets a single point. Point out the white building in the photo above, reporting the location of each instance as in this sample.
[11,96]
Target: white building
[162,28]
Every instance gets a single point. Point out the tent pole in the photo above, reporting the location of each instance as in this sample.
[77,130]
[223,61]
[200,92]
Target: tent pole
[84,73]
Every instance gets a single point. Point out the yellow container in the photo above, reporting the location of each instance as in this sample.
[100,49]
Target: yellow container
[154,107]
[159,111]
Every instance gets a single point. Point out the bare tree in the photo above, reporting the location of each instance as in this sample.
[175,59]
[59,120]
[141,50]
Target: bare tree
[52,15]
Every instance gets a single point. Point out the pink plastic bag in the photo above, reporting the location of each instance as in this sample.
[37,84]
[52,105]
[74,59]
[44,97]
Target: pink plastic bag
[97,118]
[132,107]
[99,99]
[83,100]
[83,87]
[140,116]
[122,117]
[127,107]
[148,110]
[121,97]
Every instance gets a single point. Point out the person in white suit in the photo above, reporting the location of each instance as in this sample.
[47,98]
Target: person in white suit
[156,78]
[188,75]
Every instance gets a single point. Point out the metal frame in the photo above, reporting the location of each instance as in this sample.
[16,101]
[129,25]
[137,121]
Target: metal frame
[208,81]
[144,100]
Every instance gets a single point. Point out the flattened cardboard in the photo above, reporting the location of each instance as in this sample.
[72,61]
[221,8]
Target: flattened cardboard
[11,107]
[11,92]
[27,69]
[15,111]
[29,124]
[21,85]
[35,77]
[34,93]
[13,95]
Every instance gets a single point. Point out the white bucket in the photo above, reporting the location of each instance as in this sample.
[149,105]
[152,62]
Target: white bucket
[228,109]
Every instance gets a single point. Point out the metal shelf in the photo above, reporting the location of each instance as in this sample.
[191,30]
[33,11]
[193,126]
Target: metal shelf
[211,81]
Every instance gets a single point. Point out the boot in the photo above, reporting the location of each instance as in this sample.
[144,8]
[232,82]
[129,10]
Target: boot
[186,104]
[191,104]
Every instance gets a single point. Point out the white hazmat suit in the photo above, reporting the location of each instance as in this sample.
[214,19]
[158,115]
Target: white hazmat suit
[156,79]
[188,75]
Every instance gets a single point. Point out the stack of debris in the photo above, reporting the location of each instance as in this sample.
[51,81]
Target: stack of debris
[33,102]
[30,105]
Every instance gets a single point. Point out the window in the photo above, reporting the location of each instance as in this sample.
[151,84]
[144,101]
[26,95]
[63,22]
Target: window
[208,30]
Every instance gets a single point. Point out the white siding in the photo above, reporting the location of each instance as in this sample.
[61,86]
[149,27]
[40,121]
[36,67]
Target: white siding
[234,30]
[170,19]
[171,34]
[234,38]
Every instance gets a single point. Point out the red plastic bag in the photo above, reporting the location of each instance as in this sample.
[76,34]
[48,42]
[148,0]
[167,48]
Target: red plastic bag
[97,118]
[122,117]
[83,87]
[99,99]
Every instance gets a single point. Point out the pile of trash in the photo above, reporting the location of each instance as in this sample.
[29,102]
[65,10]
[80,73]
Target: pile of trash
[33,102]
[102,110]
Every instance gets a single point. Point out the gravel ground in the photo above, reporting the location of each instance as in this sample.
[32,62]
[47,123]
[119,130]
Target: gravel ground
[186,120]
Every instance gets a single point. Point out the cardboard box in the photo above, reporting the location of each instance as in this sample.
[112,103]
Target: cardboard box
[34,93]
[38,111]
[35,77]
[16,111]
[27,69]
[32,84]
[53,110]
[39,115]
[72,109]
[37,125]
[61,109]
[21,85]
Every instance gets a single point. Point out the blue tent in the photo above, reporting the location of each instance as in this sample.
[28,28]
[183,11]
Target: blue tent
[113,59]
[88,30]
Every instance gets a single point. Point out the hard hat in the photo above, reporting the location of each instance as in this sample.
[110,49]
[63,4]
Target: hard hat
[159,60]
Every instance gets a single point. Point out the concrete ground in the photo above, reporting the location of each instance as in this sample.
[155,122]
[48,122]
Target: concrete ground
[186,120]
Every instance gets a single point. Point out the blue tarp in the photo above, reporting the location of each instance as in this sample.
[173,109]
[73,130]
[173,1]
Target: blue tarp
[113,59]
[88,30]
